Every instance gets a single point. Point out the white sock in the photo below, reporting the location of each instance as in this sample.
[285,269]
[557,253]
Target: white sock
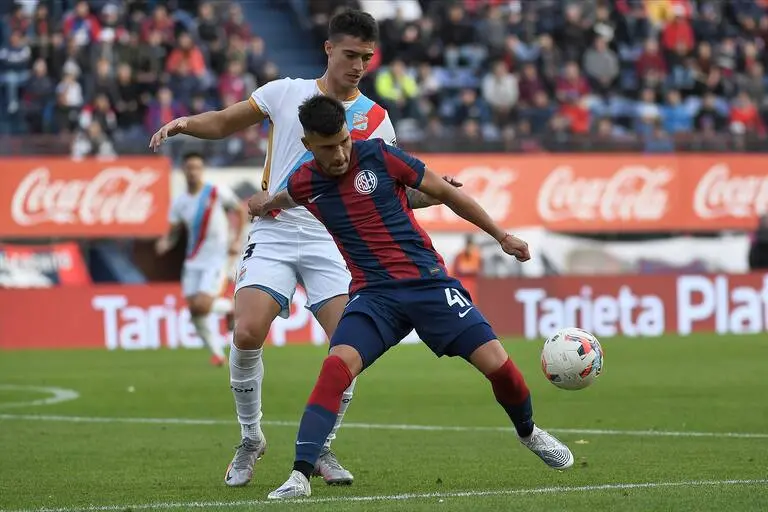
[222,305]
[246,372]
[201,326]
[346,398]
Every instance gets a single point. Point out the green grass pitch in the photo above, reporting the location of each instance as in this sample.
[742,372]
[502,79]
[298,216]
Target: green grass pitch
[673,424]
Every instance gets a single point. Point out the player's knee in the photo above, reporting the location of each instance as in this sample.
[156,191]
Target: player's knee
[249,334]
[489,357]
[350,356]
[199,305]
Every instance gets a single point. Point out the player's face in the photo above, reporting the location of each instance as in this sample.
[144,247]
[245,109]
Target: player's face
[331,153]
[193,172]
[348,59]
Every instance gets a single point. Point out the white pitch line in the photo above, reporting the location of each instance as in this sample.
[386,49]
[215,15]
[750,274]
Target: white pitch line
[401,497]
[382,426]
[58,395]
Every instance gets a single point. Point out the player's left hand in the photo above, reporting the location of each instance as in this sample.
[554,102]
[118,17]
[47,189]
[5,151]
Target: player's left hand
[515,247]
[234,247]
[256,204]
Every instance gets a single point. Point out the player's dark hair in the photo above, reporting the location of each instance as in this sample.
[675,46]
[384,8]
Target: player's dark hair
[322,115]
[353,23]
[189,155]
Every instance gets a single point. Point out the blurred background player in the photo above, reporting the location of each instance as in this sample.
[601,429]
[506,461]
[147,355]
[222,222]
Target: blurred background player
[202,210]
[399,281]
[291,247]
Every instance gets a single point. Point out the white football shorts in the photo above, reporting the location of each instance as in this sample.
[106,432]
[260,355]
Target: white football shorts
[280,255]
[209,280]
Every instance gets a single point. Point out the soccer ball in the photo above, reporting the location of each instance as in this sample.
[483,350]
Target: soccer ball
[572,358]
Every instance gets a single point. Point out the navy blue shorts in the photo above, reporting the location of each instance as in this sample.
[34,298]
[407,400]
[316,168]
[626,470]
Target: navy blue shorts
[440,309]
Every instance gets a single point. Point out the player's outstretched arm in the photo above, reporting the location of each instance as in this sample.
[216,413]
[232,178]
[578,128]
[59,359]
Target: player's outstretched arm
[260,204]
[167,241]
[468,209]
[212,125]
[418,199]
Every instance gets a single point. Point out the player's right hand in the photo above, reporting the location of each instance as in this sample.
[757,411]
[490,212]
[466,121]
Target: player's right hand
[175,127]
[256,204]
[515,247]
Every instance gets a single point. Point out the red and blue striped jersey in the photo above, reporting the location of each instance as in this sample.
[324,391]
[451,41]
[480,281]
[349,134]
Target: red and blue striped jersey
[367,213]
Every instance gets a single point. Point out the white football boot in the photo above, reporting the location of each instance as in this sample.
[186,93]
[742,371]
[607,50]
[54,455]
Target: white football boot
[549,449]
[240,470]
[332,472]
[297,486]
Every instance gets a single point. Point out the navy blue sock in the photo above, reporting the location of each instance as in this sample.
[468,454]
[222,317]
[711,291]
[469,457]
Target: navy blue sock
[316,423]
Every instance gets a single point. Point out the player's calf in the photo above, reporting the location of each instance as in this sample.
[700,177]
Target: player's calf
[513,395]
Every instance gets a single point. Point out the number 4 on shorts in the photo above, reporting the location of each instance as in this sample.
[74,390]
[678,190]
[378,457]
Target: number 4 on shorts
[454,297]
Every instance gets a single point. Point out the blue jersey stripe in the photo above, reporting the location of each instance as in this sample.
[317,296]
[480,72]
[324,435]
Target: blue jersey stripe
[194,230]
[306,157]
[362,105]
[334,213]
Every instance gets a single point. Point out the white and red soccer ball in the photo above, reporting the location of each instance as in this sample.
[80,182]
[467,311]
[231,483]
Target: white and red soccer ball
[572,358]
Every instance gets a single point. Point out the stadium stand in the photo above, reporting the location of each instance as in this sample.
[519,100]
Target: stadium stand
[508,75]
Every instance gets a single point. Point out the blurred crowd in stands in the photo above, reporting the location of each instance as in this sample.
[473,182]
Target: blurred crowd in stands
[649,75]
[108,72]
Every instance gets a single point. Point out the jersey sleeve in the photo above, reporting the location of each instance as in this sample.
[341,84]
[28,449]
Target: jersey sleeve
[228,198]
[174,214]
[385,131]
[300,186]
[268,97]
[403,167]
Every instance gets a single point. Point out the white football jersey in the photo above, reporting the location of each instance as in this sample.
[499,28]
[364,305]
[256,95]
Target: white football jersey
[280,100]
[205,217]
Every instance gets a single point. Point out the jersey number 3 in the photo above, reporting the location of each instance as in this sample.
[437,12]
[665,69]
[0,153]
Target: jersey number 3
[248,252]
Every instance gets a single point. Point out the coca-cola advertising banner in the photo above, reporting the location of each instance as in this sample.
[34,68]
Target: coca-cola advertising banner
[58,197]
[154,316]
[588,193]
[632,306]
[42,266]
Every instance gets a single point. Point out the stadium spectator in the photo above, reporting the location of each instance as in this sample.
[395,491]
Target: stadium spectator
[398,91]
[236,83]
[601,66]
[161,24]
[81,26]
[209,29]
[709,117]
[128,105]
[103,82]
[186,56]
[501,92]
[676,117]
[92,142]
[36,102]
[99,111]
[69,98]
[15,60]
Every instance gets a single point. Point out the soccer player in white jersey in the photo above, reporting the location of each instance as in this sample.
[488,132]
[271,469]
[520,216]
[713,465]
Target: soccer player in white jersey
[202,210]
[291,246]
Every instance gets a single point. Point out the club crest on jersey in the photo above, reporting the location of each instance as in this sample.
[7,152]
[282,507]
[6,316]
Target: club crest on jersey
[365,182]
[359,121]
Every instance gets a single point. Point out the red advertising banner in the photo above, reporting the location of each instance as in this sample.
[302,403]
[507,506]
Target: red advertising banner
[58,197]
[126,317]
[40,266]
[636,305]
[626,192]
[154,316]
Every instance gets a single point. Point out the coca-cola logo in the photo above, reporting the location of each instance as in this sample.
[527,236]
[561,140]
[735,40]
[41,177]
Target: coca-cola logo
[632,193]
[116,195]
[718,194]
[490,187]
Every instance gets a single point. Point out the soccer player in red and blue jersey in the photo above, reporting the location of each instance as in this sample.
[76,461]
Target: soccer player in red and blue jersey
[399,282]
